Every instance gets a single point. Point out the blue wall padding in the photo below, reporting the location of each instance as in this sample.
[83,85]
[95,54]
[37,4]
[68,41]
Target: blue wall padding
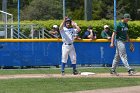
[49,53]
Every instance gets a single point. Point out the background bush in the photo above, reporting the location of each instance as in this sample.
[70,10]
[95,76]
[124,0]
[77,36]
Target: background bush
[134,26]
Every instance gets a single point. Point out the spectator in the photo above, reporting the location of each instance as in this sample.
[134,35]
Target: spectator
[55,32]
[106,32]
[89,34]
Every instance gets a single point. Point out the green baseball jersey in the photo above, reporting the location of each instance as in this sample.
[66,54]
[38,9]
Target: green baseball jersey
[121,31]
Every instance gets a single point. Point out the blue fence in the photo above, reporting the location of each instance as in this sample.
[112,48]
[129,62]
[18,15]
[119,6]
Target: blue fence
[49,53]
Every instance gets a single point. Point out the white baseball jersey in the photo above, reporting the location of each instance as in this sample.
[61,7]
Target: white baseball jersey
[68,35]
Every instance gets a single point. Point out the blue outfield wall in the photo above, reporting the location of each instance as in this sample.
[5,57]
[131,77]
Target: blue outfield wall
[48,52]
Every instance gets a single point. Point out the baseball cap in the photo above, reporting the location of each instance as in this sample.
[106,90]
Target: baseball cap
[55,26]
[127,16]
[106,26]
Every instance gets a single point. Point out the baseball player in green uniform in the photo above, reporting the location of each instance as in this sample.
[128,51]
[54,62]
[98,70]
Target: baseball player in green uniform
[120,35]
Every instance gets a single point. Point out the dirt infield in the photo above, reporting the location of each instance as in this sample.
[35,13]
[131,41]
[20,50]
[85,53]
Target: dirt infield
[133,89]
[100,75]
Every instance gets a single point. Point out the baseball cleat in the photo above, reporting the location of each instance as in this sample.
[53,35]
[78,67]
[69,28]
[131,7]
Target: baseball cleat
[62,73]
[131,72]
[113,72]
[75,72]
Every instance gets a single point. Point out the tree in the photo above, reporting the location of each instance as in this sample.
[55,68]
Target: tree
[75,9]
[42,10]
[52,9]
[97,11]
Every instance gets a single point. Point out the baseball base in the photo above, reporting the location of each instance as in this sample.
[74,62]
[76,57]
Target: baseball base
[87,73]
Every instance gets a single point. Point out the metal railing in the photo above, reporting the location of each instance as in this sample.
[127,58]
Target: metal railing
[44,34]
[6,21]
[10,30]
[28,31]
[21,35]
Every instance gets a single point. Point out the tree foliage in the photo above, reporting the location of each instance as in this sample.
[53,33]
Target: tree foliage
[52,9]
[43,9]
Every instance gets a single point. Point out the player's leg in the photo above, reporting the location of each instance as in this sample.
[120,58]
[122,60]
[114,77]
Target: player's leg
[123,56]
[73,59]
[65,52]
[116,61]
[115,64]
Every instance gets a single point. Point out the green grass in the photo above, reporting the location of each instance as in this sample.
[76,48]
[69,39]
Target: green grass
[59,85]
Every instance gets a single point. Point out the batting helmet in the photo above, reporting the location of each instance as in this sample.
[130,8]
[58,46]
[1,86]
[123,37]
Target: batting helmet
[68,19]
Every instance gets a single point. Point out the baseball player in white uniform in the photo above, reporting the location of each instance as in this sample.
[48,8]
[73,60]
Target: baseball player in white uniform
[68,30]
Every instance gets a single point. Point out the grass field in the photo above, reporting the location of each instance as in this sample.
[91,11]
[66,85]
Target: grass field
[59,85]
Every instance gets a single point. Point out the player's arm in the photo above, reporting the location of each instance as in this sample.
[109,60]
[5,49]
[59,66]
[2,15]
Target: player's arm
[113,35]
[112,39]
[90,36]
[62,24]
[76,26]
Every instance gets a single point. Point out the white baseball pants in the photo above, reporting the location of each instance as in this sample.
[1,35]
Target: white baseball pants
[68,50]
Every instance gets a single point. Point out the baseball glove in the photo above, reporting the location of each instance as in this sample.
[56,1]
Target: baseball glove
[131,47]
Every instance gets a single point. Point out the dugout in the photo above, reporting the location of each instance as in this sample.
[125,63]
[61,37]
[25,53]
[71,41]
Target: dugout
[44,52]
